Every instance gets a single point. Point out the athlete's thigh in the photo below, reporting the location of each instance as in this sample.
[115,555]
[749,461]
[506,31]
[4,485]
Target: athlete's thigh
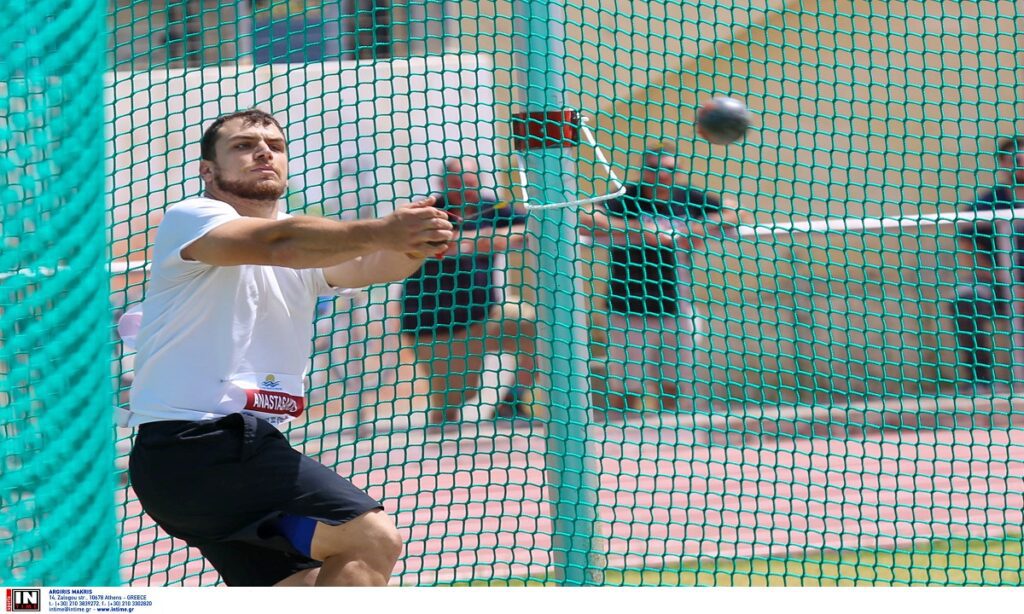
[205,480]
[247,564]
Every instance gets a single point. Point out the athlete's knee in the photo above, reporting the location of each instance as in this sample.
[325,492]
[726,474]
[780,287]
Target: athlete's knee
[516,320]
[386,538]
[372,535]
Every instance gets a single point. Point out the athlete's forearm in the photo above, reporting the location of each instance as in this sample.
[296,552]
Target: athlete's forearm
[302,242]
[380,267]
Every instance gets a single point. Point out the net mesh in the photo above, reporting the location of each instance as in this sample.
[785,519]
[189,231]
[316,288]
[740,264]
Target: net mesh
[56,483]
[787,398]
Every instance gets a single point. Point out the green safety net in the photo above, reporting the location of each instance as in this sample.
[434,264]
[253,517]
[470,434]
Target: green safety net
[57,505]
[790,399]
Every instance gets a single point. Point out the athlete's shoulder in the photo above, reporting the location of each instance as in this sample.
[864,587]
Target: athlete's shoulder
[199,203]
[199,210]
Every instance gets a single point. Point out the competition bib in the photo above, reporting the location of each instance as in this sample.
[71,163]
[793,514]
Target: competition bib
[276,398]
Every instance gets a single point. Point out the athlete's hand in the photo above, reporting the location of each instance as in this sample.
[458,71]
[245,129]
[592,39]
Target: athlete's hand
[419,229]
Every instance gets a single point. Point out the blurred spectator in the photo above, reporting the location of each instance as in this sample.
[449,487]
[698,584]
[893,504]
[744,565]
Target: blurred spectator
[301,31]
[184,31]
[981,298]
[367,28]
[453,311]
[652,228]
[197,33]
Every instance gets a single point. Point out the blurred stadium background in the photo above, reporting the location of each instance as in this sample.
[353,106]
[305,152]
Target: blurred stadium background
[828,442]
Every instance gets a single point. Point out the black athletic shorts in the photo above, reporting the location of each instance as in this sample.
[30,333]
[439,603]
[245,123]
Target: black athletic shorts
[235,489]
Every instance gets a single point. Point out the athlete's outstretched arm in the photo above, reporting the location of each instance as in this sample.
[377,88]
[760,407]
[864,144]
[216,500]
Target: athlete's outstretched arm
[310,242]
[380,267]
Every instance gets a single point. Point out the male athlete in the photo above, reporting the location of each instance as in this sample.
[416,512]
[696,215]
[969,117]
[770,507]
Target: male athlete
[222,352]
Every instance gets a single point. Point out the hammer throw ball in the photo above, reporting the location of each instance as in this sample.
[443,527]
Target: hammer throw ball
[723,120]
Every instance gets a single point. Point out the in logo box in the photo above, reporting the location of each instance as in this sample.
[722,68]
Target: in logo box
[24,600]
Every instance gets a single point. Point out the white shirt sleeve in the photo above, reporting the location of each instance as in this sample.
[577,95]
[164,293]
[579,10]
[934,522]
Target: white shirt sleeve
[183,225]
[318,282]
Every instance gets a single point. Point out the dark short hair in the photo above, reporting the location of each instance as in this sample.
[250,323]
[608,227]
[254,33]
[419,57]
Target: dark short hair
[249,117]
[1010,145]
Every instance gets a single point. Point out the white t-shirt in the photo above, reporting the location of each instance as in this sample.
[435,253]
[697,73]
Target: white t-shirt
[216,340]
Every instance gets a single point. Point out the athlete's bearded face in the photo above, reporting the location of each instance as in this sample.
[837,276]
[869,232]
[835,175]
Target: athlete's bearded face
[251,161]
